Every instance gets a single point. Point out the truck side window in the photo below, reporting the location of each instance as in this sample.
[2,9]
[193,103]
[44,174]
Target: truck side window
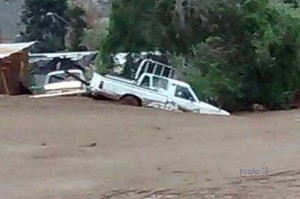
[184,93]
[160,83]
[146,82]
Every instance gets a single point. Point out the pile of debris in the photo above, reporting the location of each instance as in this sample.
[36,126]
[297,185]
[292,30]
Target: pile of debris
[13,66]
[45,65]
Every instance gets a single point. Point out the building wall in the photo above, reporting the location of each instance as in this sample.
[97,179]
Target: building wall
[2,90]
[14,69]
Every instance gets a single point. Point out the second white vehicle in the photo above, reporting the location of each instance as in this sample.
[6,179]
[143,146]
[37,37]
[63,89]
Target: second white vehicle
[63,83]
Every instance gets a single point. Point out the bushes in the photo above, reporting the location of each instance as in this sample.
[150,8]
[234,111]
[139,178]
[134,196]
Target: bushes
[253,60]
[240,52]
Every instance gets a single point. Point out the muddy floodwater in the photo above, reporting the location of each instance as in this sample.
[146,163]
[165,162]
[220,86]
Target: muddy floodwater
[78,148]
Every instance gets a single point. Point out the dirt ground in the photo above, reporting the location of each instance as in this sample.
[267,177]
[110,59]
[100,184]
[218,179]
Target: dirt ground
[140,153]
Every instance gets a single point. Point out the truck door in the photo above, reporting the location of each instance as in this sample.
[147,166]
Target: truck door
[184,98]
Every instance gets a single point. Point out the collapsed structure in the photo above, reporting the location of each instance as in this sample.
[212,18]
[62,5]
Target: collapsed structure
[13,66]
[44,63]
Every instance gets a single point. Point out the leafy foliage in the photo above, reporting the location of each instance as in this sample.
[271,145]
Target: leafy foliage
[92,38]
[49,30]
[241,52]
[41,27]
[75,17]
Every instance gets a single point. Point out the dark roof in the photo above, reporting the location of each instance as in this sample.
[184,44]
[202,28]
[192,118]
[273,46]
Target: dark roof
[44,67]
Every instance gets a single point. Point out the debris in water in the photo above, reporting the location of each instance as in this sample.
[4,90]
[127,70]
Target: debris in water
[91,145]
[43,144]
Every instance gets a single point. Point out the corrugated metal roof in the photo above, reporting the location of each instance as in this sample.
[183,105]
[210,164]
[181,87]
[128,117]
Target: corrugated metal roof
[7,49]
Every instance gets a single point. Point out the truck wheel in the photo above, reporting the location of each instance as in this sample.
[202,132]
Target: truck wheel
[130,100]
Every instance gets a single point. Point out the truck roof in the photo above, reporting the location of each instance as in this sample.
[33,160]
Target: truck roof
[172,81]
[61,71]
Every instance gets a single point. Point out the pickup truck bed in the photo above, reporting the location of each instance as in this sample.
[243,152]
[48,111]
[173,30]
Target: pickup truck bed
[116,88]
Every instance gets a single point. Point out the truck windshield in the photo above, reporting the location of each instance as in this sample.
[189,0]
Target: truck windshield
[62,77]
[184,93]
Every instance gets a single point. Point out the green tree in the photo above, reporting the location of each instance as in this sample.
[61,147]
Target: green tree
[41,27]
[126,23]
[50,29]
[75,16]
[295,3]
[93,38]
[241,52]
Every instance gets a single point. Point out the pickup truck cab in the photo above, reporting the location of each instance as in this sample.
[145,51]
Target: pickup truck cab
[153,91]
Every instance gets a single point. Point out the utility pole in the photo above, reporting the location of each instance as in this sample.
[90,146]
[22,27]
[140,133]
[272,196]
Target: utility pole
[67,38]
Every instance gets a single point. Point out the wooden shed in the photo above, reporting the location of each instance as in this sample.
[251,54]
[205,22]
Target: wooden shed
[13,65]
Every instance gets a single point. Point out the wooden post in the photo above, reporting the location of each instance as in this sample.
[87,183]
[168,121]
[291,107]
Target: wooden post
[4,79]
[3,70]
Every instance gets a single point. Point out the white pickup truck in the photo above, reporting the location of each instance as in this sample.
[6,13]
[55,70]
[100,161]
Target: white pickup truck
[153,91]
